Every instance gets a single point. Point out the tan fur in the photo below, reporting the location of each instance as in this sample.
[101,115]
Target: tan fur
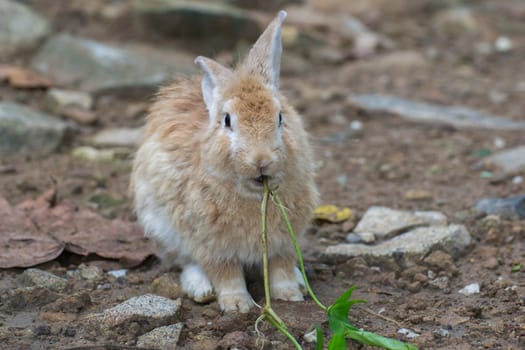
[186,168]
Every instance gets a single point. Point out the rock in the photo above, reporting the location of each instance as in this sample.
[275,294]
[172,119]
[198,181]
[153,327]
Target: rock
[510,161]
[403,61]
[236,339]
[41,278]
[23,129]
[417,195]
[407,248]
[98,68]
[69,304]
[165,337]
[20,28]
[98,155]
[408,333]
[457,20]
[353,238]
[26,297]
[503,44]
[167,286]
[90,272]
[470,289]
[79,115]
[311,336]
[214,25]
[59,99]
[121,273]
[145,312]
[118,137]
[456,116]
[385,222]
[441,282]
[510,208]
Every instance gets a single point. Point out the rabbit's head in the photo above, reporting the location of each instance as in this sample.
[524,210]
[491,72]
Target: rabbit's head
[249,134]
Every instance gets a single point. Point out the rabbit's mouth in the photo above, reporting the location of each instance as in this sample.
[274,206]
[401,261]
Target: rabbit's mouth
[259,181]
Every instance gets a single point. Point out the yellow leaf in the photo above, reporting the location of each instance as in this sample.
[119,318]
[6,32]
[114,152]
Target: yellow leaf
[332,213]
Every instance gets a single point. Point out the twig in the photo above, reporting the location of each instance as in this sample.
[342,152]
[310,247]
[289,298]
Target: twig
[391,320]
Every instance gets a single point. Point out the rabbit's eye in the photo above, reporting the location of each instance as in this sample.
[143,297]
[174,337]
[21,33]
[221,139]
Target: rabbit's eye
[227,121]
[280,119]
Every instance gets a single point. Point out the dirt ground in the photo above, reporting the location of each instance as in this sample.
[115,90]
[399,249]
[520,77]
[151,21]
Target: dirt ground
[376,166]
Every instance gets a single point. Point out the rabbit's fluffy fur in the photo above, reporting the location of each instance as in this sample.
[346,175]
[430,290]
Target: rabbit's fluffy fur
[197,176]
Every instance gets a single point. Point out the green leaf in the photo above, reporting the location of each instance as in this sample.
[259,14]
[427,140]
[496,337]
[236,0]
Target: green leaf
[516,268]
[338,342]
[319,343]
[374,339]
[338,311]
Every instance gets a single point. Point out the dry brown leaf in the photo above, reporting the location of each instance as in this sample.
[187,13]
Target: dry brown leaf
[21,245]
[86,232]
[22,78]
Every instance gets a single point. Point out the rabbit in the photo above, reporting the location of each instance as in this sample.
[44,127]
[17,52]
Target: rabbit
[198,174]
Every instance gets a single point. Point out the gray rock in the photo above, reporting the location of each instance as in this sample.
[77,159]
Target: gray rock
[26,297]
[90,272]
[145,312]
[509,161]
[408,248]
[441,282]
[384,222]
[23,129]
[41,278]
[165,337]
[20,28]
[118,137]
[470,289]
[457,116]
[512,208]
[214,25]
[96,67]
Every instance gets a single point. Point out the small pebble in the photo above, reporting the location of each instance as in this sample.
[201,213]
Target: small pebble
[70,332]
[499,142]
[470,289]
[43,330]
[118,273]
[356,125]
[311,336]
[353,238]
[517,180]
[503,44]
[408,333]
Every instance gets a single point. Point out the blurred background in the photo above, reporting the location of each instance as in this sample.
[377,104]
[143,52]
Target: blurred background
[416,105]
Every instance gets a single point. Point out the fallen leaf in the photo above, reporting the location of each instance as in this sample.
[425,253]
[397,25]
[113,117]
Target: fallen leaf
[86,232]
[22,78]
[332,213]
[21,244]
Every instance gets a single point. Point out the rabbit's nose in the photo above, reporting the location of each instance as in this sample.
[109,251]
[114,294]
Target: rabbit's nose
[262,163]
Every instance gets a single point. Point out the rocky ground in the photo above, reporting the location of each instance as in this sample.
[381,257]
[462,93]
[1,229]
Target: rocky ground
[416,111]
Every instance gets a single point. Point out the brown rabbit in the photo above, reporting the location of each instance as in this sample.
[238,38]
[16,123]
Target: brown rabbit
[197,177]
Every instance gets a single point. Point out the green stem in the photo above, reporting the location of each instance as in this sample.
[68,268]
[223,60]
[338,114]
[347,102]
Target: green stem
[264,210]
[297,250]
[284,331]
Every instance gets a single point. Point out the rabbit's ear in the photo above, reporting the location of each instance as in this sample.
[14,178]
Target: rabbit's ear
[265,55]
[215,74]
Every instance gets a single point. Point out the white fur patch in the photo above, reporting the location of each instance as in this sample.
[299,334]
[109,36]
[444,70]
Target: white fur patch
[195,283]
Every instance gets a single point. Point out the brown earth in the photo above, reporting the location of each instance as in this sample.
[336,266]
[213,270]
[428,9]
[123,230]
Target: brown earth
[386,159]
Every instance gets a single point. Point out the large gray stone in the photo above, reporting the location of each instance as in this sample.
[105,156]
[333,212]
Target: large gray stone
[20,28]
[406,249]
[509,161]
[457,116]
[385,222]
[165,337]
[512,208]
[23,129]
[212,25]
[96,67]
[146,312]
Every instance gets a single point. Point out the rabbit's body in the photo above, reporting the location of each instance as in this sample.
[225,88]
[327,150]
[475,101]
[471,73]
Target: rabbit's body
[197,181]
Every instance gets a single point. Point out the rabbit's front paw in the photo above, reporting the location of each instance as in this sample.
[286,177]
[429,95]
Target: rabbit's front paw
[196,284]
[287,290]
[240,301]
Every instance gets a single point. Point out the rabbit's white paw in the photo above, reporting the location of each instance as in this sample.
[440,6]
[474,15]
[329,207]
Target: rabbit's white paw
[287,290]
[238,300]
[196,284]
[300,280]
